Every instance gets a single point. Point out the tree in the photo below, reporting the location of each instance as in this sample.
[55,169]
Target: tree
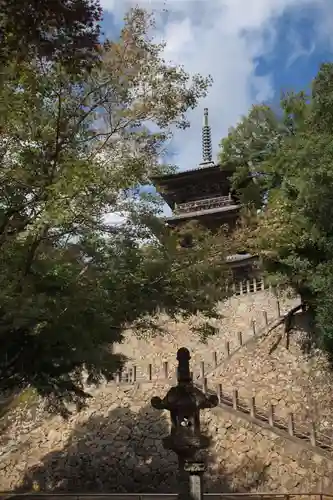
[257,138]
[63,30]
[74,146]
[292,232]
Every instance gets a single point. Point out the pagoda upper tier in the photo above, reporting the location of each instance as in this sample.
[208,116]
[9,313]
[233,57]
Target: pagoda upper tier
[203,194]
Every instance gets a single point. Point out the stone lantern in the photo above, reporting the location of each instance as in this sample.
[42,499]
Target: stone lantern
[184,402]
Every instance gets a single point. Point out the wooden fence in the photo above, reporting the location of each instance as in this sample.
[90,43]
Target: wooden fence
[253,285]
[132,374]
[307,432]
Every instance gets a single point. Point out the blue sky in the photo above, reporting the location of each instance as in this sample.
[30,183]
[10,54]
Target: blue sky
[252,48]
[295,56]
[297,53]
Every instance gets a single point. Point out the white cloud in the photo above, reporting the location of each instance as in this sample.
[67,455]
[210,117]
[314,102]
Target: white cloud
[115,218]
[222,38]
[299,51]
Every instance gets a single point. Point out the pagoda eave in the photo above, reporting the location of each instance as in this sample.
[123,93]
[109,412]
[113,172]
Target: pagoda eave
[241,260]
[192,173]
[222,212]
[191,184]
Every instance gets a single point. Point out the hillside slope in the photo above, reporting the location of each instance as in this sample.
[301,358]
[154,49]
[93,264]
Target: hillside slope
[238,314]
[287,378]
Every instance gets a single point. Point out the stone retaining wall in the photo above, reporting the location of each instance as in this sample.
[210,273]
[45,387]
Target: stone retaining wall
[115,446]
[238,314]
[286,378]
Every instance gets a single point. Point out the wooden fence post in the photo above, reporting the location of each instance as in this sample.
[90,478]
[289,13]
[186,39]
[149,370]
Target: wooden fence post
[134,373]
[150,372]
[254,326]
[227,348]
[165,369]
[220,392]
[235,399]
[271,415]
[202,372]
[205,385]
[313,434]
[278,308]
[265,319]
[253,407]
[291,424]
[240,339]
[215,359]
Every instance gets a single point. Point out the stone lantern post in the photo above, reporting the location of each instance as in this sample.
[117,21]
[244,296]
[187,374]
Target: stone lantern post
[184,402]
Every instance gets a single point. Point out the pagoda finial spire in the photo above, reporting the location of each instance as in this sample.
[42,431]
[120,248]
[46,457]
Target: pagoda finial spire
[206,140]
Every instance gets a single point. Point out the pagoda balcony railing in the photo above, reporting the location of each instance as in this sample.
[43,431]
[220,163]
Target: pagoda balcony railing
[204,204]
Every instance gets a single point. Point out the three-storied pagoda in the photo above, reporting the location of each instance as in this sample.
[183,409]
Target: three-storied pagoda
[204,194]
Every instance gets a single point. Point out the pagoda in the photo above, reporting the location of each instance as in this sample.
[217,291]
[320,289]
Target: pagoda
[204,194]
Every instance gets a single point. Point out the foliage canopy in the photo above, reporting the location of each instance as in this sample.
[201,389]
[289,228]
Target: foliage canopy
[283,171]
[74,148]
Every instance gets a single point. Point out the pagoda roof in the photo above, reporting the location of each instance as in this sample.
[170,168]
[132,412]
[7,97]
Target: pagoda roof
[202,169]
[241,260]
[174,187]
[238,257]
